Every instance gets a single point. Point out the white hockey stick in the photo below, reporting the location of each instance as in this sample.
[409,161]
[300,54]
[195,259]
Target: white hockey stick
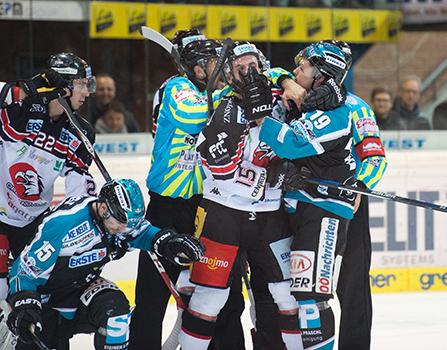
[7,339]
[161,40]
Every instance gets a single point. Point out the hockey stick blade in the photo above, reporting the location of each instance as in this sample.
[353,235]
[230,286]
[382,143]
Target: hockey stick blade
[88,145]
[378,194]
[161,40]
[212,80]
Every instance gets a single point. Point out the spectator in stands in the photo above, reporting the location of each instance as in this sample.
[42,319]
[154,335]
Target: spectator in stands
[440,116]
[406,105]
[382,102]
[105,93]
[113,119]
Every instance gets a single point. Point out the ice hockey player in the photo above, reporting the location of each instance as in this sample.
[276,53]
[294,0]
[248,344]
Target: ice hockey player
[319,144]
[38,145]
[55,285]
[353,287]
[240,212]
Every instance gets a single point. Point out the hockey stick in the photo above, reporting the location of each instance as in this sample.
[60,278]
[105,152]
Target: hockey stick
[40,344]
[88,145]
[159,39]
[7,338]
[171,343]
[378,194]
[212,80]
[251,298]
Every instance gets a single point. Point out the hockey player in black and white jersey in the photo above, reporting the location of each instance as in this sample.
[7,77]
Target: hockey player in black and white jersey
[38,145]
[241,212]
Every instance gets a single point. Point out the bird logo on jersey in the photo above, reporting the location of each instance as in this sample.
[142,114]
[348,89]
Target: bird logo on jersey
[262,155]
[28,184]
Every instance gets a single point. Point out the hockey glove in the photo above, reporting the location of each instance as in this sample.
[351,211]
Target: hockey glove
[26,309]
[285,175]
[256,94]
[178,248]
[328,96]
[44,87]
[275,174]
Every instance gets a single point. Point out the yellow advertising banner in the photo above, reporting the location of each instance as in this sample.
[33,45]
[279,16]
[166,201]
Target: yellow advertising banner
[318,25]
[121,20]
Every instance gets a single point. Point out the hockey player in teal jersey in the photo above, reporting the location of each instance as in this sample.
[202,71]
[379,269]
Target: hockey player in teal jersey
[55,284]
[353,288]
[318,143]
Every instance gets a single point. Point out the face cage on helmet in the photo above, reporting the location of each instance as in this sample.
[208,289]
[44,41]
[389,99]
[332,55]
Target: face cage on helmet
[227,68]
[302,55]
[91,84]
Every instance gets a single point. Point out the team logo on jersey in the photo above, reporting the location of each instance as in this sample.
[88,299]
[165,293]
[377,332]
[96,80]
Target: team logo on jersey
[262,155]
[27,182]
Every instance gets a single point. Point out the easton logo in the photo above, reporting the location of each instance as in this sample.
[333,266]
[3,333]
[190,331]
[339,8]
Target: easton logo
[263,108]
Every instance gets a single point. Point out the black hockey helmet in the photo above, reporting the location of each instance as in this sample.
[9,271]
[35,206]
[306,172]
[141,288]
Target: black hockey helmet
[328,59]
[124,200]
[344,46]
[184,37]
[72,67]
[198,53]
[240,49]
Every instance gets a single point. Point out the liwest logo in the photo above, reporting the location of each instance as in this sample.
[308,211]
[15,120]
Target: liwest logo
[87,258]
[214,263]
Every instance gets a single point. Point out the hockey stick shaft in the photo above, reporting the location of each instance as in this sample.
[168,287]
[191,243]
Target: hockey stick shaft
[40,344]
[88,145]
[212,80]
[171,343]
[378,194]
[167,280]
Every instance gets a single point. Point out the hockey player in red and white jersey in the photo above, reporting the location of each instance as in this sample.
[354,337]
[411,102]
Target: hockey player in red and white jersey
[241,212]
[38,145]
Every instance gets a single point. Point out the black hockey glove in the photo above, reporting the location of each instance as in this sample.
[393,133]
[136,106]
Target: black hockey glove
[285,175]
[178,248]
[44,87]
[26,309]
[275,174]
[295,177]
[256,94]
[328,96]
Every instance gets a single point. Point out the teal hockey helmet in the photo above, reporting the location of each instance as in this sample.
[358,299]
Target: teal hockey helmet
[327,58]
[124,200]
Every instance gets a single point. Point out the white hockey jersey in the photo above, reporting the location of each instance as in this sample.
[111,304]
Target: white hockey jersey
[34,152]
[235,161]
